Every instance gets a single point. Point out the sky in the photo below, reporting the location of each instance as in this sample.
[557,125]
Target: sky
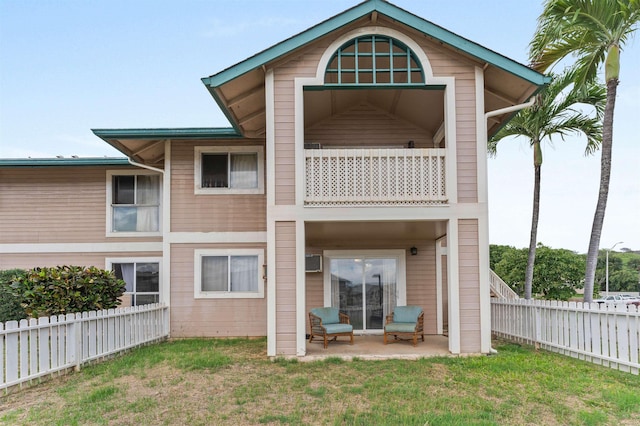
[68,66]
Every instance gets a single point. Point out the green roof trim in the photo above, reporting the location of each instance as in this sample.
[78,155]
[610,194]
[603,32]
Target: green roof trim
[225,111]
[393,12]
[169,133]
[373,86]
[64,162]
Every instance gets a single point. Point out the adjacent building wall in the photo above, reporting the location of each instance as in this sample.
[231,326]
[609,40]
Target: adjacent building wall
[191,317]
[55,205]
[192,212]
[98,259]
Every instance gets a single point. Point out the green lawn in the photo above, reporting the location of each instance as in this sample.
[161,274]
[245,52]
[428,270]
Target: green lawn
[210,382]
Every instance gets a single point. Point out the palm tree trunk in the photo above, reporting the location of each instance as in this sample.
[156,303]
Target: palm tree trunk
[605,174]
[533,240]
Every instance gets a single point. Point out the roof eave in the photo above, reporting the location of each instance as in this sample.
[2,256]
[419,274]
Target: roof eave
[63,162]
[118,138]
[169,133]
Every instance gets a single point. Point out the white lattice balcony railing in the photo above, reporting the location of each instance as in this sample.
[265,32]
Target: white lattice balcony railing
[339,177]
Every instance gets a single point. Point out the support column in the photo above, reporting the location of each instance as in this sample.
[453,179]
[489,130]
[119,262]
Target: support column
[285,291]
[270,187]
[485,291]
[166,229]
[301,338]
[453,284]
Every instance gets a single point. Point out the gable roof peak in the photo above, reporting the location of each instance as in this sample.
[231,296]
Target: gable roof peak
[358,11]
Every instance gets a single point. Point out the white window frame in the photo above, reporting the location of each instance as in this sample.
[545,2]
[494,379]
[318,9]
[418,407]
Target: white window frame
[197,273]
[109,202]
[109,261]
[197,176]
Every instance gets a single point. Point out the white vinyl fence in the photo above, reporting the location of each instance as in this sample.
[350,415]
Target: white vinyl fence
[604,334]
[37,347]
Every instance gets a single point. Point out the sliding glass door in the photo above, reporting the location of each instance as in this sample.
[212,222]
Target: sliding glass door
[365,289]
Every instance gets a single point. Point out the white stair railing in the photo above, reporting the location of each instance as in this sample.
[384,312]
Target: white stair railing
[499,288]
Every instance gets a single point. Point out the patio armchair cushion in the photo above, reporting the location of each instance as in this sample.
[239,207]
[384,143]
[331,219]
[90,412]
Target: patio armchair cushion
[400,327]
[338,328]
[406,314]
[327,315]
[329,322]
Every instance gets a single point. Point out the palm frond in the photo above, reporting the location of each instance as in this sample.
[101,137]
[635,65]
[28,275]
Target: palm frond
[584,28]
[559,110]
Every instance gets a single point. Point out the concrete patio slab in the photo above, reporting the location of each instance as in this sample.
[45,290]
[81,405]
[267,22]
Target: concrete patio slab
[372,347]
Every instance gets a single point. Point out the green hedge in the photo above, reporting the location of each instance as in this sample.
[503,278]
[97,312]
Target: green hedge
[67,289]
[10,307]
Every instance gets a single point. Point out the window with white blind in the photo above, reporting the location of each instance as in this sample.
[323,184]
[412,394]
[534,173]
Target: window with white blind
[233,273]
[133,203]
[229,170]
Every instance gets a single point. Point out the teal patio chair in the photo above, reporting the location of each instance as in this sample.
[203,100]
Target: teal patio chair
[329,323]
[405,323]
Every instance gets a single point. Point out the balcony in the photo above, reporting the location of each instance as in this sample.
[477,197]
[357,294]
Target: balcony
[375,177]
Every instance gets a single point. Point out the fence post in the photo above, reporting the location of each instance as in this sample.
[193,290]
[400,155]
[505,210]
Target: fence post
[537,326]
[79,342]
[13,351]
[166,316]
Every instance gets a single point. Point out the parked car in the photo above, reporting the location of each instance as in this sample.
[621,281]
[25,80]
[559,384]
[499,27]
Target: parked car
[614,298]
[629,298]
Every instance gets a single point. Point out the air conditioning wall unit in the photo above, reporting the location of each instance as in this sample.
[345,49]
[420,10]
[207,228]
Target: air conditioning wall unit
[312,145]
[313,263]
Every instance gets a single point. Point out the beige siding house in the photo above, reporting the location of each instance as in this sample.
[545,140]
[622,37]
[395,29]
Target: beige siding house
[354,175]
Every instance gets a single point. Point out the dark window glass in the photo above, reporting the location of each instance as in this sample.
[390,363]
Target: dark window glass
[147,277]
[215,171]
[124,189]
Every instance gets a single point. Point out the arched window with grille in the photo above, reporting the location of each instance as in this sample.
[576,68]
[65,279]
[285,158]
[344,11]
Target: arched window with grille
[374,60]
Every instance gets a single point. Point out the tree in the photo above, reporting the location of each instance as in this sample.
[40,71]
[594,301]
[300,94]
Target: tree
[557,273]
[496,252]
[556,112]
[595,31]
[623,271]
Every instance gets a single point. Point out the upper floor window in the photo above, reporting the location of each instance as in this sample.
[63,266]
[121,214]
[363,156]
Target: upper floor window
[229,170]
[374,60]
[133,203]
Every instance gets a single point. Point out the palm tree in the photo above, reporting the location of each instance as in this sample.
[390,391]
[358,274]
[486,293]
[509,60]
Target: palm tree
[556,112]
[594,31]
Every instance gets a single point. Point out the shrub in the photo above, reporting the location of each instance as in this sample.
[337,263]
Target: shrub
[68,289]
[10,307]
